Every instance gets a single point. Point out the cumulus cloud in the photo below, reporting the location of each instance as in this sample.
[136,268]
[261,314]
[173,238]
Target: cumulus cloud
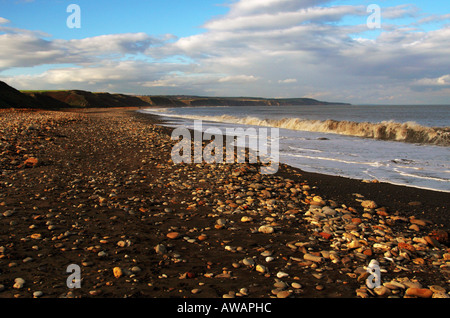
[284,48]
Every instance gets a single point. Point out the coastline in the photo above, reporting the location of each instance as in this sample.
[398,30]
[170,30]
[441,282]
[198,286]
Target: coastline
[96,188]
[396,197]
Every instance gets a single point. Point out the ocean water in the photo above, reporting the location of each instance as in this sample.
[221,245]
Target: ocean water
[405,145]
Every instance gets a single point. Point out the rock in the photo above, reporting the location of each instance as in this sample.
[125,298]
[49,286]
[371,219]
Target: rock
[261,268]
[354,244]
[266,229]
[312,258]
[18,283]
[173,235]
[369,204]
[248,261]
[38,294]
[246,219]
[382,291]
[296,285]
[283,294]
[160,249]
[417,221]
[419,292]
[117,272]
[282,275]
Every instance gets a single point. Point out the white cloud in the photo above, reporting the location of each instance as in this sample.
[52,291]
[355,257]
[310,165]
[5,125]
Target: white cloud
[4,21]
[285,48]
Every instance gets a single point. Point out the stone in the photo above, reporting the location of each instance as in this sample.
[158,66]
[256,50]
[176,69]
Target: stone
[419,292]
[38,294]
[284,294]
[261,268]
[369,204]
[246,219]
[282,275]
[248,261]
[18,283]
[266,229]
[417,221]
[173,235]
[313,258]
[117,271]
[296,285]
[382,291]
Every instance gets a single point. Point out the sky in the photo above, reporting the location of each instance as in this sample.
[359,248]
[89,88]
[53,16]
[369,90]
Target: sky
[355,51]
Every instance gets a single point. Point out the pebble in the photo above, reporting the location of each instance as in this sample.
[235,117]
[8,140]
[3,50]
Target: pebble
[419,292]
[266,229]
[284,294]
[369,204]
[296,285]
[261,268]
[117,272]
[18,283]
[313,258]
[38,294]
[282,275]
[173,235]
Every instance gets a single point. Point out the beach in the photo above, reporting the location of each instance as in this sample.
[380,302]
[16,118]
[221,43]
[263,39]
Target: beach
[97,188]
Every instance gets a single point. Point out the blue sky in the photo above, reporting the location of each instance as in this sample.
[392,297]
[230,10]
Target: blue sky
[270,48]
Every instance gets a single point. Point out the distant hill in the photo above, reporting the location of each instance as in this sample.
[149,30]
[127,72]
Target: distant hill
[12,98]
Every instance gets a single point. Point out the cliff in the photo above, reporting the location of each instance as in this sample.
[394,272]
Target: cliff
[12,98]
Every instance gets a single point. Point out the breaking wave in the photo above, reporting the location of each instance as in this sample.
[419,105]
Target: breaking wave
[410,132]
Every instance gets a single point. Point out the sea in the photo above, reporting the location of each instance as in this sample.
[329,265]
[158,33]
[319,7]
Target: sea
[406,145]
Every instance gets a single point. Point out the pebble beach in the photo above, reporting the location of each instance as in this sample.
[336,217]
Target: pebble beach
[97,188]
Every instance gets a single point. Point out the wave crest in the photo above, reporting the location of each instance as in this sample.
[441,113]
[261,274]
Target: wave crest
[410,132]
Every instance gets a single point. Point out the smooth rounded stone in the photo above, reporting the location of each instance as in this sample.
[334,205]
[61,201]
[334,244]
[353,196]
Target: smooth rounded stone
[268,259]
[38,294]
[266,253]
[296,285]
[136,269]
[419,292]
[246,219]
[248,261]
[243,291]
[261,268]
[280,285]
[437,289]
[266,229]
[382,291]
[312,258]
[369,204]
[282,275]
[393,285]
[117,271]
[2,287]
[284,294]
[18,283]
[173,235]
[102,254]
[328,211]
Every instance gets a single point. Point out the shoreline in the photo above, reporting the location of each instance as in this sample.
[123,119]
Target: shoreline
[97,188]
[402,194]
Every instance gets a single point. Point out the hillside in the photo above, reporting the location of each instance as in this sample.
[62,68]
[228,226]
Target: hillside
[12,98]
